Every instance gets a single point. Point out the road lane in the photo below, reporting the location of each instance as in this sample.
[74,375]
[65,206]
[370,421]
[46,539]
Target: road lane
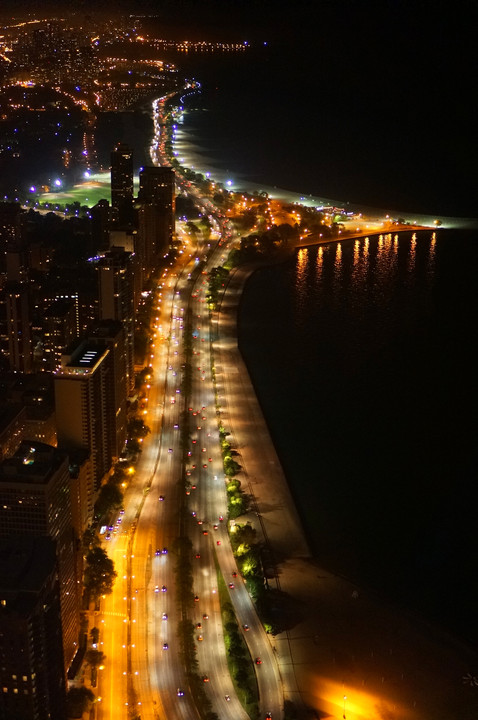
[154,674]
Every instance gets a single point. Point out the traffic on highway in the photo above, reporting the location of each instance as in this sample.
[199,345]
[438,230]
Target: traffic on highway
[178,492]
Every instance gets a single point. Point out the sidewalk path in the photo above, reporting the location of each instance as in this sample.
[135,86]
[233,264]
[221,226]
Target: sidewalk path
[349,654]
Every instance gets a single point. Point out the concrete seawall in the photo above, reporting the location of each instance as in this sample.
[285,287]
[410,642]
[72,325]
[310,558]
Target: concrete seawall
[346,654]
[274,510]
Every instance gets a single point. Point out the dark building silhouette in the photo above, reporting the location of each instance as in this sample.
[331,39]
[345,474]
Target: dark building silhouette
[10,230]
[116,275]
[12,426]
[155,215]
[112,332]
[32,674]
[16,300]
[32,417]
[59,330]
[100,222]
[122,183]
[35,500]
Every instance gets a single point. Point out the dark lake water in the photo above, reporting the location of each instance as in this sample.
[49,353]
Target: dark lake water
[362,355]
[351,122]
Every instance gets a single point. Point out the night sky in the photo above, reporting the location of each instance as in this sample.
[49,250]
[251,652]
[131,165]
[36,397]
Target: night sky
[403,72]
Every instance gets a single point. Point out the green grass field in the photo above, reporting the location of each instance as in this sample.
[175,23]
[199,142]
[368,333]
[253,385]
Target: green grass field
[89,192]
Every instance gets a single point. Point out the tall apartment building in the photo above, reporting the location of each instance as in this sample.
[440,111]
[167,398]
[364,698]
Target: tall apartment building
[35,500]
[10,229]
[82,499]
[100,222]
[85,404]
[122,183]
[127,240]
[18,326]
[59,330]
[32,668]
[155,214]
[112,332]
[116,283]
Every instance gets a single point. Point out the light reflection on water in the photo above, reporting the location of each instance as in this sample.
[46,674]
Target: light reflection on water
[372,270]
[356,354]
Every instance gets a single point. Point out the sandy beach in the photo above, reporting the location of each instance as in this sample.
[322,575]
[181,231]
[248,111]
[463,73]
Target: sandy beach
[346,653]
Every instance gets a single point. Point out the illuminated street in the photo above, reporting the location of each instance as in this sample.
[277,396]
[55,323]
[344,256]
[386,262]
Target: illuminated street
[237,280]
[144,667]
[148,671]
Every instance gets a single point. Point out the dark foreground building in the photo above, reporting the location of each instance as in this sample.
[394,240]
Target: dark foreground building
[156,207]
[32,678]
[122,183]
[35,501]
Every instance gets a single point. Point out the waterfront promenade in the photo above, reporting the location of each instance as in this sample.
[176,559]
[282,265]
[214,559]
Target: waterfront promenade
[346,653]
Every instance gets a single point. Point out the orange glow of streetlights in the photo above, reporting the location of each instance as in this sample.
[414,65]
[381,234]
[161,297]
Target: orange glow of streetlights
[359,703]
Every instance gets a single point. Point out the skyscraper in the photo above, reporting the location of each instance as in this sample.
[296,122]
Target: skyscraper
[112,332]
[116,301]
[156,214]
[84,404]
[122,183]
[35,500]
[18,326]
[32,673]
[10,230]
[60,328]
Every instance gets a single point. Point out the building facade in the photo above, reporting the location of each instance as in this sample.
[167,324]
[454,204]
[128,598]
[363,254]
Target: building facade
[84,404]
[122,183]
[32,672]
[35,500]
[116,284]
[155,215]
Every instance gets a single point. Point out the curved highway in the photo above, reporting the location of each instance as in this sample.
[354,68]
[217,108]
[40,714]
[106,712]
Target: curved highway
[143,673]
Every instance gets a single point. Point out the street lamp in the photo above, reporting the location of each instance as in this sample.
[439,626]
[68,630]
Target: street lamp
[345,698]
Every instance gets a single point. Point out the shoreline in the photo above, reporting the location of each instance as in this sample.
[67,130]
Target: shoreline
[194,156]
[342,638]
